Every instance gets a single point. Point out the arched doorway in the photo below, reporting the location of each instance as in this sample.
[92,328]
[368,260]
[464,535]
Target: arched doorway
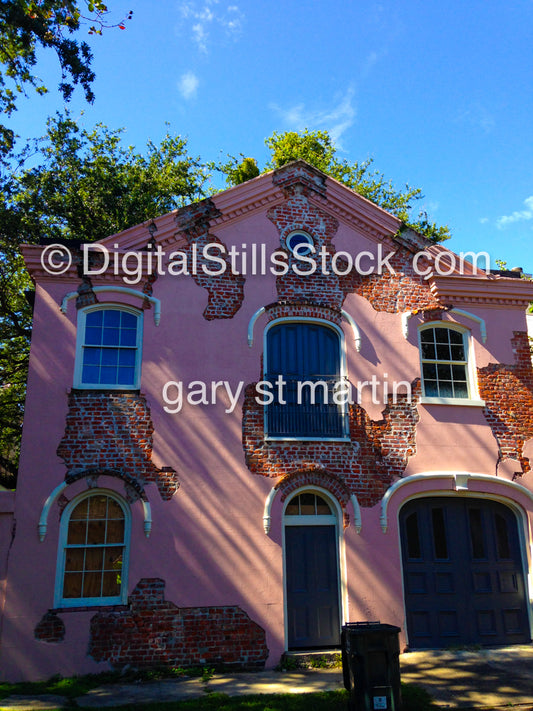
[463,573]
[312,572]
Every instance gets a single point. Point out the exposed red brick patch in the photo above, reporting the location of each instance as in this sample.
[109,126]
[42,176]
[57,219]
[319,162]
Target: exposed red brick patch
[395,293]
[112,430]
[153,631]
[396,290]
[298,213]
[375,454]
[225,290]
[300,175]
[50,629]
[508,394]
[311,475]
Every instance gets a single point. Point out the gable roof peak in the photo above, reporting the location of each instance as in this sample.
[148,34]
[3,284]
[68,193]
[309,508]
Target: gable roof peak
[300,173]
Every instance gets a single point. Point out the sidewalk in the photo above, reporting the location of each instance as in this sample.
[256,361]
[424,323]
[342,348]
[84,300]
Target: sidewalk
[484,679]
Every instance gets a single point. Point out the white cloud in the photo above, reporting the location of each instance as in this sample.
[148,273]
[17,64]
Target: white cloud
[518,215]
[478,117]
[188,85]
[371,60]
[200,35]
[336,120]
[208,18]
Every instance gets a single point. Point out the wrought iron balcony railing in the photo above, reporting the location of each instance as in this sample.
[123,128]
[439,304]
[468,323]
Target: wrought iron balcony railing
[305,407]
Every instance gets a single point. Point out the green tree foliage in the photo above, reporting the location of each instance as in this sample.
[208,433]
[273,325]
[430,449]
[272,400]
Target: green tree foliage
[84,185]
[317,148]
[87,185]
[15,331]
[237,173]
[25,26]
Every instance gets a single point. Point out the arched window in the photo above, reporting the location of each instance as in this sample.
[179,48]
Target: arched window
[447,373]
[93,551]
[109,348]
[303,367]
[308,504]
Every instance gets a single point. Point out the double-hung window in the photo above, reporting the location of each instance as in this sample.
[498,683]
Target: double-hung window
[109,348]
[447,371]
[93,551]
[303,366]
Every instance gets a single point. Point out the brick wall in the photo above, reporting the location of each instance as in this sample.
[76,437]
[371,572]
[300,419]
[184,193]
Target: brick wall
[508,394]
[50,629]
[226,290]
[112,430]
[377,451]
[153,631]
[375,454]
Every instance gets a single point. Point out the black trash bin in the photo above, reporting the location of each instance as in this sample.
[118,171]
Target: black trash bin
[371,666]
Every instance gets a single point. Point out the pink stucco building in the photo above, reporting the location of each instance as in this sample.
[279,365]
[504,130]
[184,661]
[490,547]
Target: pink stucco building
[256,418]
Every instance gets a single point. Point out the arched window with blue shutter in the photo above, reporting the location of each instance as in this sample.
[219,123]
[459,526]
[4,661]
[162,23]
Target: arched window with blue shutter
[307,356]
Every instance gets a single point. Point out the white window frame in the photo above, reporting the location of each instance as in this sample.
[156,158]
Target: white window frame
[80,345]
[59,600]
[343,375]
[473,399]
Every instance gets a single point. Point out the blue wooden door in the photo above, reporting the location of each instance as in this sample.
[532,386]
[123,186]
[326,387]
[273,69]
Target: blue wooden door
[463,573]
[312,587]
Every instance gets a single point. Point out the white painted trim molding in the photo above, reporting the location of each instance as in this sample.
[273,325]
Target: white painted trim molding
[355,330]
[120,290]
[461,481]
[477,319]
[406,315]
[43,520]
[345,314]
[42,526]
[267,517]
[356,513]
[251,325]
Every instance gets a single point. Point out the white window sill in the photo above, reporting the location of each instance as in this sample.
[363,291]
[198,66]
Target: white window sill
[307,439]
[75,602]
[82,386]
[463,402]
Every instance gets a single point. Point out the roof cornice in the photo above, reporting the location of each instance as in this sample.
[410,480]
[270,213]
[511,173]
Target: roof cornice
[485,290]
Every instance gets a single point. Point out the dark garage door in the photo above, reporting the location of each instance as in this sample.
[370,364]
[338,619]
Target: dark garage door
[463,575]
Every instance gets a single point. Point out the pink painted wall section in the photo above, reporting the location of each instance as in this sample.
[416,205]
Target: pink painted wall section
[207,544]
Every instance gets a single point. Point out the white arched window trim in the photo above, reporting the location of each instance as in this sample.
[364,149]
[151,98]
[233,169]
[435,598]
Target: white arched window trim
[260,311]
[156,303]
[267,511]
[42,527]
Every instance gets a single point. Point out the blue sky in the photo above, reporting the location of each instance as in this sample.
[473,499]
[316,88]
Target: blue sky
[439,94]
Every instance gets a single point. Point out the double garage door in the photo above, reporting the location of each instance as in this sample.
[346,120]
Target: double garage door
[463,573]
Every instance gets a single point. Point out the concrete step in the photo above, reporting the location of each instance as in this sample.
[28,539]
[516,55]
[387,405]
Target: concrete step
[312,659]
